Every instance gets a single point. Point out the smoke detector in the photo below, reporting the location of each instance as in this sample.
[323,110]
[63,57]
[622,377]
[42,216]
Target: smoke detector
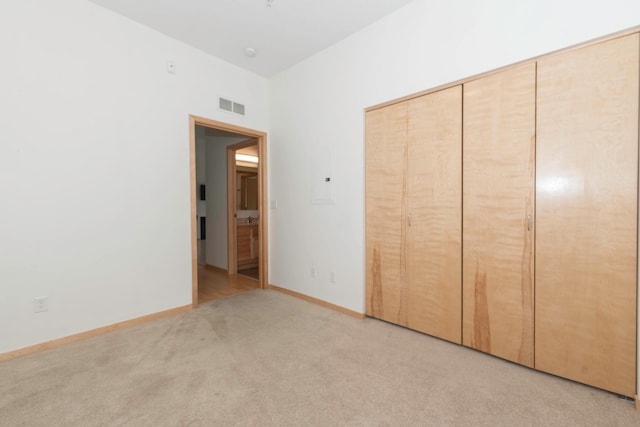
[268,2]
[250,52]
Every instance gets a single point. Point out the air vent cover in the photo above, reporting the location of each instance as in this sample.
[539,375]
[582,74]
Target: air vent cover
[238,108]
[225,104]
[231,106]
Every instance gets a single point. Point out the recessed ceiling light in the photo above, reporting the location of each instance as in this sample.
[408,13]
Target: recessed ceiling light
[250,52]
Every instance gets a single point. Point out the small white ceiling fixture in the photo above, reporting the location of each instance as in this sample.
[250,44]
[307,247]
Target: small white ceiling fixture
[250,52]
[289,31]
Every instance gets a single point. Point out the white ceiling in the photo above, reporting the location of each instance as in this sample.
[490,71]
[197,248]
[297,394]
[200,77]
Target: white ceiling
[283,34]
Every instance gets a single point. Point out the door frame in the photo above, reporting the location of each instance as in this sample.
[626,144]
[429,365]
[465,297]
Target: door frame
[263,247]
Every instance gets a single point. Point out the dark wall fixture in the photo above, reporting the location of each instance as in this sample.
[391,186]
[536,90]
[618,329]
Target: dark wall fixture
[202,192]
[203,231]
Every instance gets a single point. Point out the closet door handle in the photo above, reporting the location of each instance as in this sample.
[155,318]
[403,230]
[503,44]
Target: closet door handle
[409,220]
[529,222]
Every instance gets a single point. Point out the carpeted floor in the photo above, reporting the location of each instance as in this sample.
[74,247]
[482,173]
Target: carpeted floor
[266,359]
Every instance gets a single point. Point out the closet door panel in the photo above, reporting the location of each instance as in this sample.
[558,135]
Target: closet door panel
[386,158]
[587,174]
[434,183]
[498,208]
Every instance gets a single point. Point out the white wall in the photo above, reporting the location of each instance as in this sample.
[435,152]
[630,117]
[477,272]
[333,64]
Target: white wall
[316,110]
[216,152]
[94,165]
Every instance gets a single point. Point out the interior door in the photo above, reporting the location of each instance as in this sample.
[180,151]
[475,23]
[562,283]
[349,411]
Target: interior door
[498,223]
[434,205]
[386,189]
[587,175]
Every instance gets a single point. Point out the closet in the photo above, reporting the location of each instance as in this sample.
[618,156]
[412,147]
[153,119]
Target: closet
[386,158]
[413,213]
[586,195]
[499,155]
[434,213]
[502,212]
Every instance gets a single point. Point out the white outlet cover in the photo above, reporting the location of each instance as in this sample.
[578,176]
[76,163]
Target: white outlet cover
[171,67]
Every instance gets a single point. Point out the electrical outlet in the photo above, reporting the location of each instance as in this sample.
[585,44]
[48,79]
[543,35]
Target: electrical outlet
[313,272]
[332,277]
[171,67]
[40,304]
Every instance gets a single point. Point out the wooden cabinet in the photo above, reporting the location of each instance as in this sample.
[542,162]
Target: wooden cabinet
[498,206]
[247,244]
[587,175]
[413,213]
[503,214]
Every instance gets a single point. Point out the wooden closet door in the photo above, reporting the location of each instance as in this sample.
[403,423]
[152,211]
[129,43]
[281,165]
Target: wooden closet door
[385,224]
[498,208]
[587,174]
[434,183]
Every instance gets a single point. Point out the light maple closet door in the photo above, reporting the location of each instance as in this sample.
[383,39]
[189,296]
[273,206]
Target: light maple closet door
[386,157]
[498,208]
[587,174]
[434,182]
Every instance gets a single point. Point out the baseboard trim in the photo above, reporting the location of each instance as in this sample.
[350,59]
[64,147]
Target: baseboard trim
[214,268]
[47,345]
[318,302]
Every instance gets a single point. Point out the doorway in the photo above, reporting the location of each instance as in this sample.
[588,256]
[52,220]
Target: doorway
[243,160]
[259,141]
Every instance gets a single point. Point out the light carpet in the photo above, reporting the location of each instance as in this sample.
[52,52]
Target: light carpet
[267,359]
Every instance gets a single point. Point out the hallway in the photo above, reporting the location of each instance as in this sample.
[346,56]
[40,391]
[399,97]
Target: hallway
[214,284]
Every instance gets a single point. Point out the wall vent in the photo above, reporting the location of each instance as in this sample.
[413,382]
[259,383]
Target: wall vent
[225,104]
[231,106]
[238,108]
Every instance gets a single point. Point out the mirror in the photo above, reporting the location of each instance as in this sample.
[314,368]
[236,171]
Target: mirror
[247,189]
